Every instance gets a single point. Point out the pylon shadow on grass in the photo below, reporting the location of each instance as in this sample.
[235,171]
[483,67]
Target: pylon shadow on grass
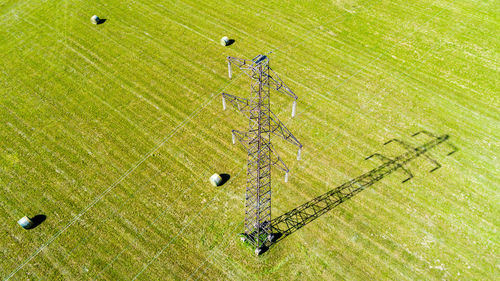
[295,219]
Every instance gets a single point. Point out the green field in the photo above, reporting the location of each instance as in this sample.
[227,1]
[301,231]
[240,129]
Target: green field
[111,131]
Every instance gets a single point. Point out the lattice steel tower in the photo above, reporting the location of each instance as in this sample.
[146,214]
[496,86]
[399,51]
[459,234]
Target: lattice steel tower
[257,141]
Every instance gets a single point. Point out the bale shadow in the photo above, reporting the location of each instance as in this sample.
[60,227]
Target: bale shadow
[225,178]
[230,42]
[101,21]
[37,220]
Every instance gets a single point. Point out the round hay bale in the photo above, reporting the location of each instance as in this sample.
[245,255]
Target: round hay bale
[224,41]
[25,222]
[95,19]
[215,180]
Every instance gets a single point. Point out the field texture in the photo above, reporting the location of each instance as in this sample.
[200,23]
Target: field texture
[111,131]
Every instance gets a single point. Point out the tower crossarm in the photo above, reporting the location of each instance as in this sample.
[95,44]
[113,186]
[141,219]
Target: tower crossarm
[247,66]
[239,62]
[276,160]
[242,137]
[279,129]
[277,84]
[241,104]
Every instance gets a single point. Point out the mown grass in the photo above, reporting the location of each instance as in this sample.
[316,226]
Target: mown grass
[83,105]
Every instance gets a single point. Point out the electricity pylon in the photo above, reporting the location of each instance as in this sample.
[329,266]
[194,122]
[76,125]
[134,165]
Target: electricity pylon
[257,141]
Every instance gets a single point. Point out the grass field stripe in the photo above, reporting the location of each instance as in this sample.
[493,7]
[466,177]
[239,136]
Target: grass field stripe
[361,69]
[116,213]
[165,209]
[65,38]
[198,178]
[242,31]
[180,231]
[221,25]
[144,229]
[103,101]
[105,73]
[5,17]
[359,9]
[202,265]
[448,99]
[340,126]
[96,96]
[54,121]
[30,140]
[95,201]
[352,75]
[97,67]
[344,81]
[300,40]
[153,11]
[45,149]
[114,210]
[373,60]
[212,250]
[98,198]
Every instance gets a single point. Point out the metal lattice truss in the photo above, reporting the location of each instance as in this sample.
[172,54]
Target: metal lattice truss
[277,127]
[257,141]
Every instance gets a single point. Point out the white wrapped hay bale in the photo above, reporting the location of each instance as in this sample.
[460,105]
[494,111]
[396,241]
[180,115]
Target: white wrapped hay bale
[224,41]
[25,222]
[95,19]
[215,179]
